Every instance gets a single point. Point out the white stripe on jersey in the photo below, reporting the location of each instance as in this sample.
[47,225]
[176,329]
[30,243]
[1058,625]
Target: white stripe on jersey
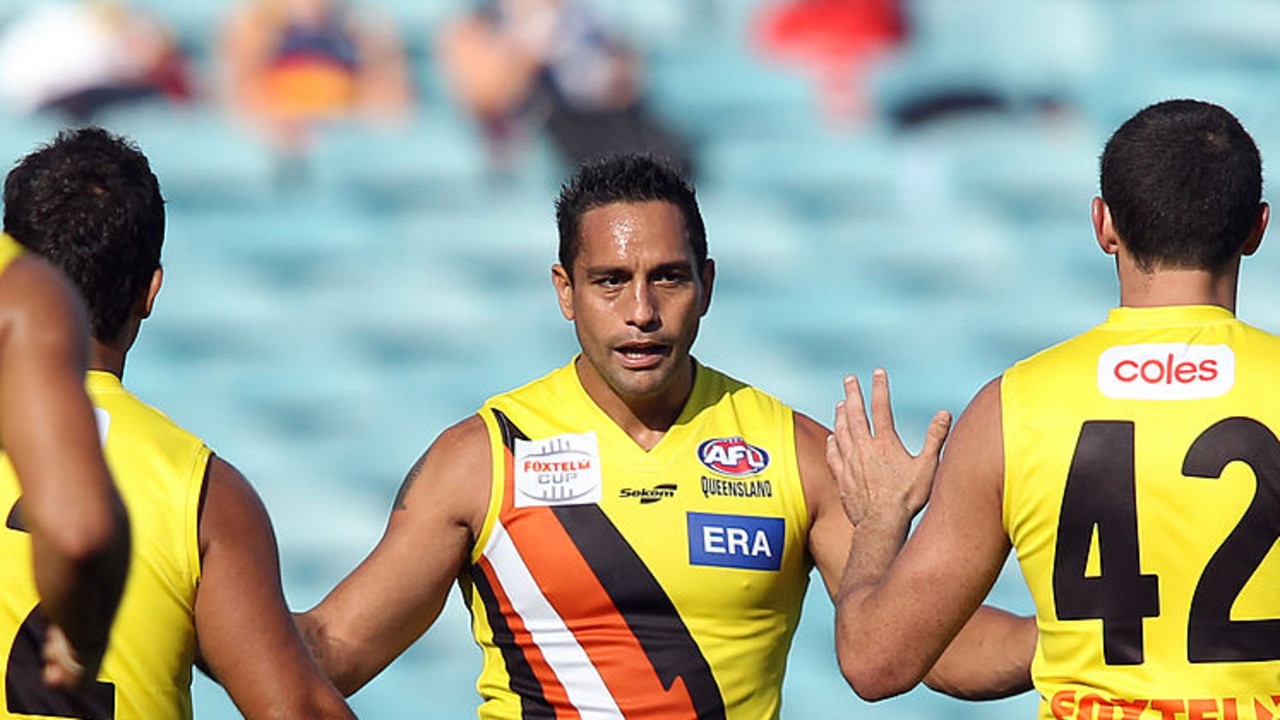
[582,682]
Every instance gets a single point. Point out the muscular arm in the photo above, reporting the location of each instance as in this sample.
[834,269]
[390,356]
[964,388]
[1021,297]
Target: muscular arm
[830,532]
[989,659]
[398,591]
[246,635]
[894,618]
[80,533]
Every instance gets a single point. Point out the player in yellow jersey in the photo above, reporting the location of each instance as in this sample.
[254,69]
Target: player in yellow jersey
[76,528]
[1134,468]
[205,577]
[633,532]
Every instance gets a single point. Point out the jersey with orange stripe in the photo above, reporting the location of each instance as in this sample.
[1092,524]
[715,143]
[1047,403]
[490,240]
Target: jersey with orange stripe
[613,582]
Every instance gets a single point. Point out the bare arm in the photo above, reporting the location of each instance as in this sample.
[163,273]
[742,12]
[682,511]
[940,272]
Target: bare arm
[398,591]
[80,533]
[895,617]
[246,635]
[830,532]
[989,659]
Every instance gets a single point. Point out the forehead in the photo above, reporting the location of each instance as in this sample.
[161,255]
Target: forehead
[624,232]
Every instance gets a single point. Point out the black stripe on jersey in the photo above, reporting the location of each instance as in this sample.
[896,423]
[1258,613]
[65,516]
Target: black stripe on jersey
[14,521]
[648,611]
[510,433]
[533,703]
[636,593]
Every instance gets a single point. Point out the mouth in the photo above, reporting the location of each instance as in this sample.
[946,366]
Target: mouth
[641,355]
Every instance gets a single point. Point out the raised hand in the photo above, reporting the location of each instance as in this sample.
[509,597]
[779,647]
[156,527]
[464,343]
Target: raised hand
[878,477]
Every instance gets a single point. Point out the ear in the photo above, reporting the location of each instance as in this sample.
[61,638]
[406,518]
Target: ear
[564,290]
[708,281]
[157,279]
[1260,227]
[1103,231]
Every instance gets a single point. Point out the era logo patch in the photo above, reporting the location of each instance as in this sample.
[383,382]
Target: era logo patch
[1166,371]
[736,541]
[732,456]
[560,470]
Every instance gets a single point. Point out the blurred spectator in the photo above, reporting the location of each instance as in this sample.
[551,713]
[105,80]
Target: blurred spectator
[526,66]
[292,65]
[77,58]
[836,40]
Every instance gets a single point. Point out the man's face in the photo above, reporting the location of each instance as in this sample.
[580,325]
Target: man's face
[635,297]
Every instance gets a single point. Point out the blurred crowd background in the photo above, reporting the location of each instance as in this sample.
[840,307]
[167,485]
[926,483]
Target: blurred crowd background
[361,225]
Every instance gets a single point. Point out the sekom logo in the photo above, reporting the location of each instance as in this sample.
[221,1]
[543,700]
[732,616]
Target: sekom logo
[1166,371]
[732,456]
[560,470]
[736,541]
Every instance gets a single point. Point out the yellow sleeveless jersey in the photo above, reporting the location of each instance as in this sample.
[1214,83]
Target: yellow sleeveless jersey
[611,582]
[1142,494]
[146,674]
[10,250]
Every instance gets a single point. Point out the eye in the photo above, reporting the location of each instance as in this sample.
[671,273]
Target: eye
[671,276]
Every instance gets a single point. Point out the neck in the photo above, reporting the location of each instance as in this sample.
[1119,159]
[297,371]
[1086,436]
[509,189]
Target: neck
[1178,287]
[107,358]
[645,419]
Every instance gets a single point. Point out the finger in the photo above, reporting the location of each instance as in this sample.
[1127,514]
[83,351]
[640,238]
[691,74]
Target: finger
[841,440]
[936,435]
[881,407]
[855,409]
[835,460]
[61,669]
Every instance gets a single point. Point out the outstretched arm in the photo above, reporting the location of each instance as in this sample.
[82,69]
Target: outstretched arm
[397,592]
[897,612]
[246,635]
[80,533]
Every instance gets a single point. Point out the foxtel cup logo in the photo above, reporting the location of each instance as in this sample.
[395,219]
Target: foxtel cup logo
[732,456]
[1166,371]
[559,470]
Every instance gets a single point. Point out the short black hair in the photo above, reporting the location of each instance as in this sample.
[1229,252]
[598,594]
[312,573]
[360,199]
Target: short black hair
[90,204]
[626,178]
[1183,182]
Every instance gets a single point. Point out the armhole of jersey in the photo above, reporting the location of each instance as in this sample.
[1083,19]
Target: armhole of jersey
[803,516]
[195,490]
[496,479]
[1008,392]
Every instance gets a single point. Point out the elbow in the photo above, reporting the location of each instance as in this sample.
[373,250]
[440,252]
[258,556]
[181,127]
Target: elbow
[326,652]
[875,675]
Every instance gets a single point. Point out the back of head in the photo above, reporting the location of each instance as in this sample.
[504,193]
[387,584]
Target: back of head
[626,178]
[90,204]
[1183,182]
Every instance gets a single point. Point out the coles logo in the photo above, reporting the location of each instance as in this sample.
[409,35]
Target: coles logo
[732,456]
[1166,371]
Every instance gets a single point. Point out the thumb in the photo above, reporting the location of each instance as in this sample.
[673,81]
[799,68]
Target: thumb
[936,435]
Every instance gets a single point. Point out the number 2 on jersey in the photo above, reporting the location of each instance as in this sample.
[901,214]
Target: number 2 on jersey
[1101,493]
[25,691]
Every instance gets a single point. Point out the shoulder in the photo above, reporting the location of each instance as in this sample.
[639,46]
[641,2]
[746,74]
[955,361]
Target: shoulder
[982,418]
[451,478]
[462,439]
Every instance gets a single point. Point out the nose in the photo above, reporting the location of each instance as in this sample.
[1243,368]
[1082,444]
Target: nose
[643,310]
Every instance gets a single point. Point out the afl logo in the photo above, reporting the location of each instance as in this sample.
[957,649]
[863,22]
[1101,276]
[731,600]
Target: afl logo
[732,456]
